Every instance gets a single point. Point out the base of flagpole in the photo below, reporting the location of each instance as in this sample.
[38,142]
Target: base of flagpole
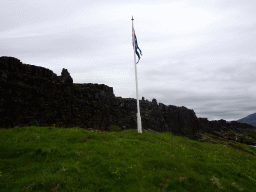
[139,123]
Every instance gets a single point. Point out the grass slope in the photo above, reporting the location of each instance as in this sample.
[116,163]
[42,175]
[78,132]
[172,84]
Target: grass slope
[70,159]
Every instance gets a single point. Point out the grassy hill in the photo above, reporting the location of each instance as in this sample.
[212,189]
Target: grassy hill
[73,159]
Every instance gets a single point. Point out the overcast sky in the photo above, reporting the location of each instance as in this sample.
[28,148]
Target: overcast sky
[196,53]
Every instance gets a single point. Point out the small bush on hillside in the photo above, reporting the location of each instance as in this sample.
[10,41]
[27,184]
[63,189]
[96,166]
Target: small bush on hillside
[252,135]
[33,123]
[114,128]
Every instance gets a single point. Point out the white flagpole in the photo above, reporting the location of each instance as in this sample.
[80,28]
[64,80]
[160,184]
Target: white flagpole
[136,80]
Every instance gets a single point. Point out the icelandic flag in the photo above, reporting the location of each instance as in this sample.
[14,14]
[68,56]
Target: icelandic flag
[134,39]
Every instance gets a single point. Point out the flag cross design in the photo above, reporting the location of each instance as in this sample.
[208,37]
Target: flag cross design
[134,39]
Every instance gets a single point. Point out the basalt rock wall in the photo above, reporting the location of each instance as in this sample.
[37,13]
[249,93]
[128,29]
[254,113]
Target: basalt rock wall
[30,93]
[222,125]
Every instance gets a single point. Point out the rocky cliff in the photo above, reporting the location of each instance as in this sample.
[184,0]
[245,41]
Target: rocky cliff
[222,125]
[30,93]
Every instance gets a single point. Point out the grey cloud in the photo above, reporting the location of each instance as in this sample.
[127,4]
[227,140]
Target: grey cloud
[209,69]
[216,106]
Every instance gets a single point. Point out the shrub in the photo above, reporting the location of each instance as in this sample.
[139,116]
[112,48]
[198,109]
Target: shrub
[252,136]
[33,123]
[114,128]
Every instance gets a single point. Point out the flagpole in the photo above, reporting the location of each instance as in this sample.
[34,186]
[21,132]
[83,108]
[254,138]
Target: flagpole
[136,80]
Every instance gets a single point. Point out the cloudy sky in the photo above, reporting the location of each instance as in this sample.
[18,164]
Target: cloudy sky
[196,53]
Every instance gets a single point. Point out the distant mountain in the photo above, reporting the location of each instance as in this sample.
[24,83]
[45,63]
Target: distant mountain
[250,119]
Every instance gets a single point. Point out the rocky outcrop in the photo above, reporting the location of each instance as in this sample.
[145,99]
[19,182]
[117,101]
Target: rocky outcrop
[32,94]
[231,131]
[36,94]
[222,125]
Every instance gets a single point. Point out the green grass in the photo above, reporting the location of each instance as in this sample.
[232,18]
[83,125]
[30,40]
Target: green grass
[70,159]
